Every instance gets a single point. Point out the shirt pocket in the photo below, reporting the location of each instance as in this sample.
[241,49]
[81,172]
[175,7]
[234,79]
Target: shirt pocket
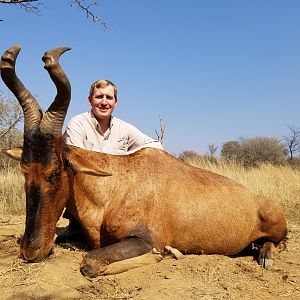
[122,143]
[88,145]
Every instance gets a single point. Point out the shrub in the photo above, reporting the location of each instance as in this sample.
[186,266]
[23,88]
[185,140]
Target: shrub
[255,151]
[230,150]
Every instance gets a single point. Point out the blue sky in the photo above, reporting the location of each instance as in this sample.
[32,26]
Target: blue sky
[215,70]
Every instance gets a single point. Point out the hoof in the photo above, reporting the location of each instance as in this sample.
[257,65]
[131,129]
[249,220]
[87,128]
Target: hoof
[266,263]
[266,255]
[92,268]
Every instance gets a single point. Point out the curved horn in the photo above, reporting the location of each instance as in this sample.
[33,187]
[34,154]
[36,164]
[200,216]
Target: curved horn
[54,117]
[31,109]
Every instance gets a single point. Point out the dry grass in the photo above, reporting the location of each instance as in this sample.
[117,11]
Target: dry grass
[281,184]
[12,196]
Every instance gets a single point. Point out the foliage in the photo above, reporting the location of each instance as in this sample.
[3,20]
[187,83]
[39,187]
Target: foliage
[254,151]
[11,116]
[258,150]
[193,156]
[188,154]
[230,150]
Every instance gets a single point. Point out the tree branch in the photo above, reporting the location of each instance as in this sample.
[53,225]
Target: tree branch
[27,5]
[89,13]
[20,117]
[34,8]
[162,130]
[16,1]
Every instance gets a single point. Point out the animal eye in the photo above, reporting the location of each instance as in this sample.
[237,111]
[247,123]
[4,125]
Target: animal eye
[53,177]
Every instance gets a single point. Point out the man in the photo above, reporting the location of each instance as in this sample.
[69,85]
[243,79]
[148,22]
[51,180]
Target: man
[98,130]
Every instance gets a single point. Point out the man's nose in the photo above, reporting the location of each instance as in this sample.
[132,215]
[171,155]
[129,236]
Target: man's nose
[104,100]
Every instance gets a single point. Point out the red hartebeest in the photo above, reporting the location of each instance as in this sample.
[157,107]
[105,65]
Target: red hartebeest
[127,204]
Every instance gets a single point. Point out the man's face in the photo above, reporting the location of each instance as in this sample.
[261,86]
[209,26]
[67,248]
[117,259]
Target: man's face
[103,102]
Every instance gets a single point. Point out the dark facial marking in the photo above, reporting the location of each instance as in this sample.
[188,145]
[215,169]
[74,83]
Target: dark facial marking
[33,207]
[38,147]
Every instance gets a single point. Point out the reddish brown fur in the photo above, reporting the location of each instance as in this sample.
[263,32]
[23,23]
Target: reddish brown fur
[160,198]
[153,196]
[55,192]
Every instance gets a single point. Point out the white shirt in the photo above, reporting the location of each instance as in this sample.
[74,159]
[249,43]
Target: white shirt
[121,138]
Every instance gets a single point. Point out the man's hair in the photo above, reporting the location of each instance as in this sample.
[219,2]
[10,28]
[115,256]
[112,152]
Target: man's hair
[103,83]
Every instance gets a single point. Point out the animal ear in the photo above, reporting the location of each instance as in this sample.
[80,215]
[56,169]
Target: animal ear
[80,164]
[15,153]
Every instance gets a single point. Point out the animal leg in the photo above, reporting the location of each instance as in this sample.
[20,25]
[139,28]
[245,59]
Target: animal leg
[273,227]
[266,255]
[131,263]
[72,233]
[127,254]
[273,222]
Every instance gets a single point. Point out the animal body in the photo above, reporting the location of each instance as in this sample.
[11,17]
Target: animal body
[127,205]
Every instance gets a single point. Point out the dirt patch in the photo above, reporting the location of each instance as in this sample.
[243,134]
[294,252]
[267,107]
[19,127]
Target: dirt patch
[193,277]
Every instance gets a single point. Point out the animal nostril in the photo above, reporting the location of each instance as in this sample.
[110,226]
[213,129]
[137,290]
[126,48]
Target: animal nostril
[51,251]
[87,270]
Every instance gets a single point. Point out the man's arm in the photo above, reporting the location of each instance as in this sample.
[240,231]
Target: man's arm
[138,139]
[74,135]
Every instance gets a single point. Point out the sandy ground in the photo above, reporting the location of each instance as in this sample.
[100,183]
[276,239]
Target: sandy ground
[192,277]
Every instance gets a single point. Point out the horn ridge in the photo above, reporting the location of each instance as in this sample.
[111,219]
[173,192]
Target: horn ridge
[31,110]
[54,117]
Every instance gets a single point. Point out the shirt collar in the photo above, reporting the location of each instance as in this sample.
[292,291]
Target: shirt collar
[95,122]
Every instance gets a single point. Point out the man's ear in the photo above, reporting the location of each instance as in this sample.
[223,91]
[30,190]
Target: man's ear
[15,153]
[90,100]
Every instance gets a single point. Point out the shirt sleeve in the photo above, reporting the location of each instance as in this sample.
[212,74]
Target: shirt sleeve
[138,140]
[74,135]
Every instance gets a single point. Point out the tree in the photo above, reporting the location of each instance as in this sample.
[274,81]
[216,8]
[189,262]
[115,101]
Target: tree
[189,155]
[34,6]
[254,151]
[27,5]
[11,115]
[292,141]
[162,126]
[212,149]
[230,150]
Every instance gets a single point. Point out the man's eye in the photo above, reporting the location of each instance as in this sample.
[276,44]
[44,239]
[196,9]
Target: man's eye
[109,97]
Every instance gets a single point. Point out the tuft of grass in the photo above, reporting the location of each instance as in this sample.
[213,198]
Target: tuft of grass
[12,196]
[280,184]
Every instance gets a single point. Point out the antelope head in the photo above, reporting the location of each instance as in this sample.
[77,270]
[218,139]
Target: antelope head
[41,161]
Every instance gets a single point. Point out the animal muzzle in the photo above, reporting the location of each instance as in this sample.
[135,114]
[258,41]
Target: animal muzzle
[36,251]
